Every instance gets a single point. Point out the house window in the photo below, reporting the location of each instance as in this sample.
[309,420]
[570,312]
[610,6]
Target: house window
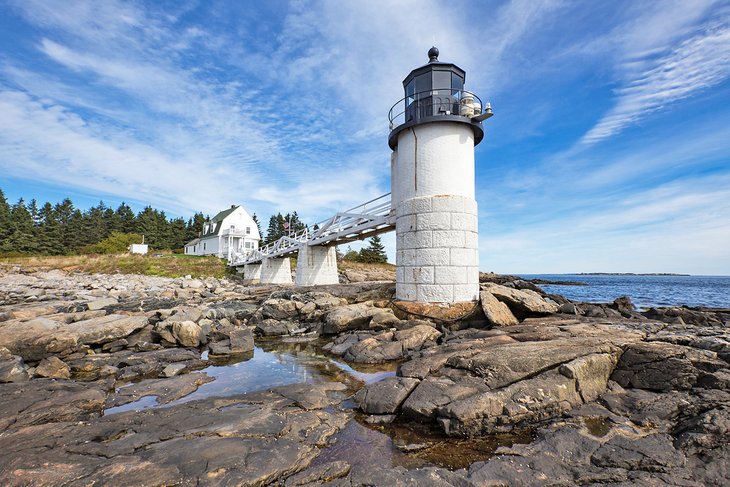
[203,246]
[248,230]
[248,245]
[194,248]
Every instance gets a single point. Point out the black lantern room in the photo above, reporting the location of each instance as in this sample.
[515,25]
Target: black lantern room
[435,93]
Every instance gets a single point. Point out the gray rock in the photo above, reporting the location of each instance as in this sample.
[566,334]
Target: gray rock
[43,401]
[522,301]
[100,303]
[12,368]
[497,313]
[241,340]
[40,337]
[172,370]
[391,346]
[319,474]
[187,333]
[271,327]
[350,317]
[385,396]
[657,366]
[651,452]
[502,365]
[53,368]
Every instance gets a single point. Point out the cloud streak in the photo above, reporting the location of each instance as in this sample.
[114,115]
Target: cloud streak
[653,82]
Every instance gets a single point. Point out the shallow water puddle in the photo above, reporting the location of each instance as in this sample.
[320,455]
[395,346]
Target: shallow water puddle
[273,364]
[411,445]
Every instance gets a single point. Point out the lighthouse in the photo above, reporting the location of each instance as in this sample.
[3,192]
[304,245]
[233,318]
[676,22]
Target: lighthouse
[433,132]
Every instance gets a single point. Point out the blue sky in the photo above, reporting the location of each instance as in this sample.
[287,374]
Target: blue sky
[609,149]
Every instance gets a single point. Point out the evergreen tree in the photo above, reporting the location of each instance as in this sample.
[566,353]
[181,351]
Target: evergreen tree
[95,227]
[127,221]
[178,234]
[147,226]
[195,227]
[5,229]
[73,231]
[374,253]
[51,240]
[258,225]
[276,228]
[21,229]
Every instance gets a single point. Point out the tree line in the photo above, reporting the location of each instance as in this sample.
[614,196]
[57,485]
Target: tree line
[30,228]
[62,228]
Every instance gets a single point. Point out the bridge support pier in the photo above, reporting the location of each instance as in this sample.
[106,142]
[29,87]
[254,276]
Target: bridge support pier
[317,264]
[276,270]
[252,273]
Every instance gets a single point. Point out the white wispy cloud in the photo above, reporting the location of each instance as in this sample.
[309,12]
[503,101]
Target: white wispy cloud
[656,76]
[677,227]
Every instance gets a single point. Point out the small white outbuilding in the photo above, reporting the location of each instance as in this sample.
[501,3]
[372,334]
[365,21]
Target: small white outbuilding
[139,249]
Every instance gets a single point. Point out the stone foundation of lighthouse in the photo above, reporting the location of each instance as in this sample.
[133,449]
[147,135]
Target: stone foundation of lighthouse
[436,214]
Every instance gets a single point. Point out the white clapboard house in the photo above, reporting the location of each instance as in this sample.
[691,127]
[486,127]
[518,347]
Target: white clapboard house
[230,232]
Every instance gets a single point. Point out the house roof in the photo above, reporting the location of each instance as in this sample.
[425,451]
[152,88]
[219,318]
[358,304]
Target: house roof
[222,214]
[194,241]
[216,223]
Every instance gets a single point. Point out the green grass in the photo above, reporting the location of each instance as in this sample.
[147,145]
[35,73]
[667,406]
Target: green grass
[165,265]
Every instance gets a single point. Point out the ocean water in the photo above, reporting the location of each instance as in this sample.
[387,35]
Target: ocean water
[644,291]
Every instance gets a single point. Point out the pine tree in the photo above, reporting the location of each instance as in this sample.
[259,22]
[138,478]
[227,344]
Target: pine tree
[51,241]
[374,253]
[21,228]
[5,229]
[195,226]
[147,226]
[177,234]
[127,220]
[276,228]
[258,225]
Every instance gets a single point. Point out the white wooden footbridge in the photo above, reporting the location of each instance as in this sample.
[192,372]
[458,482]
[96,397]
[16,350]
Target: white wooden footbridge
[363,221]
[431,207]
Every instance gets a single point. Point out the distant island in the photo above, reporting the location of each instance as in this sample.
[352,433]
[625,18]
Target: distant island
[630,274]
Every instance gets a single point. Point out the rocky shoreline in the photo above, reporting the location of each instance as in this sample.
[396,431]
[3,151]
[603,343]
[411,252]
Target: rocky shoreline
[610,395]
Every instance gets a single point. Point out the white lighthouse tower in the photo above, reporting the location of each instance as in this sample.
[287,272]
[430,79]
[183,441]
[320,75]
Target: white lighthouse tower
[434,130]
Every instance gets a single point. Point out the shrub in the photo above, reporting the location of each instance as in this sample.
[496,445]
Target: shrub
[114,243]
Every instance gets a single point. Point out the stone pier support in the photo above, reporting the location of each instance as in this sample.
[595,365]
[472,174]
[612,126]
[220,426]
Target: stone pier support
[317,265]
[252,273]
[276,270]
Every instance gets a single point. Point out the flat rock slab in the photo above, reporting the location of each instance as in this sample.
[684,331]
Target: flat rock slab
[43,401]
[166,390]
[502,365]
[37,338]
[251,439]
[386,396]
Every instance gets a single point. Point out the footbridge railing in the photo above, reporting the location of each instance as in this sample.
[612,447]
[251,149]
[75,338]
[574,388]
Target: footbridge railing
[360,222]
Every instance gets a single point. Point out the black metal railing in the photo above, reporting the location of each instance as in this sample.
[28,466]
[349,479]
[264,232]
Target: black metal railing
[434,103]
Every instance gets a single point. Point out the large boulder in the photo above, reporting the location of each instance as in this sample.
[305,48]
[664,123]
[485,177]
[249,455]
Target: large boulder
[351,317]
[542,397]
[187,333]
[663,366]
[12,368]
[280,309]
[523,301]
[502,365]
[37,338]
[386,396]
[497,313]
[241,340]
[388,346]
[53,368]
